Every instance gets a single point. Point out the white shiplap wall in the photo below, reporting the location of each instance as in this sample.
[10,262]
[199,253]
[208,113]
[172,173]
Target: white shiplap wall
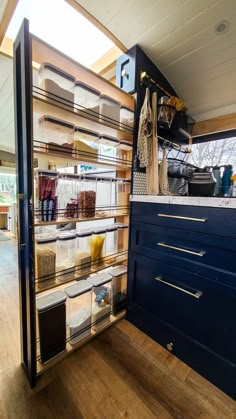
[179,36]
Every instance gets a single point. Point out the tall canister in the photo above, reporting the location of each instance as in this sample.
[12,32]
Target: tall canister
[83,254]
[66,250]
[79,310]
[101,299]
[119,288]
[51,310]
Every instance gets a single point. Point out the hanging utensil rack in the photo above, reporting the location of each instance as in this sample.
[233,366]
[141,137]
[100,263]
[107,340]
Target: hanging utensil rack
[169,144]
[144,75]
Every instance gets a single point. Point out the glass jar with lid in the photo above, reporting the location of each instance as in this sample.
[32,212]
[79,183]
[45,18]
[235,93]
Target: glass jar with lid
[122,237]
[111,241]
[55,136]
[101,299]
[108,149]
[85,144]
[66,250]
[122,196]
[126,118]
[68,190]
[79,310]
[124,153]
[87,99]
[45,259]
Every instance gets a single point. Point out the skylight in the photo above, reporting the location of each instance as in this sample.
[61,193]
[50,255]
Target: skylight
[61,26]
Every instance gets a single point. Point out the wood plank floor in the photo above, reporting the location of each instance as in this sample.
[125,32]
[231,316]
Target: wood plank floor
[120,374]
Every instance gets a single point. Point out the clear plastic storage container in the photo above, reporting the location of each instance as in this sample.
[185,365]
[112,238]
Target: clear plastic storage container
[88,196]
[45,259]
[85,143]
[122,195]
[108,148]
[58,85]
[83,254]
[119,288]
[97,247]
[122,237]
[46,201]
[101,299]
[87,99]
[103,196]
[126,118]
[109,110]
[68,189]
[51,319]
[66,251]
[79,309]
[124,153]
[111,240]
[55,135]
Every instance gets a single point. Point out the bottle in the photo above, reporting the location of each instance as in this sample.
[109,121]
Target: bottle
[226,180]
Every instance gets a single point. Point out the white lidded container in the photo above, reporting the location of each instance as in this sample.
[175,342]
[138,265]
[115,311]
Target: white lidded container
[122,195]
[57,85]
[79,310]
[45,259]
[88,196]
[51,320]
[124,153]
[101,299]
[119,288]
[68,189]
[85,143]
[103,196]
[87,99]
[98,247]
[108,148]
[111,240]
[55,135]
[66,250]
[109,110]
[126,118]
[83,254]
[122,237]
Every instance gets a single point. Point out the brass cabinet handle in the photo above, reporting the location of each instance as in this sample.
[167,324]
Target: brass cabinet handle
[178,217]
[196,294]
[180,249]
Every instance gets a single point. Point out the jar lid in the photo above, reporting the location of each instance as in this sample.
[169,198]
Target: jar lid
[126,143]
[46,238]
[87,87]
[110,99]
[121,225]
[47,173]
[100,230]
[109,138]
[59,122]
[87,131]
[118,271]
[66,236]
[84,233]
[50,300]
[100,279]
[56,70]
[112,227]
[78,289]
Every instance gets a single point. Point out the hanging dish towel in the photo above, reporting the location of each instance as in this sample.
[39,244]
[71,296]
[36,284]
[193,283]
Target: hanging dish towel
[144,144]
[152,169]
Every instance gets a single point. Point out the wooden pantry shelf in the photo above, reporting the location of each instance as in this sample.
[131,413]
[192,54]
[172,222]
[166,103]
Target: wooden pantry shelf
[66,161]
[111,261]
[69,348]
[43,107]
[118,213]
[42,52]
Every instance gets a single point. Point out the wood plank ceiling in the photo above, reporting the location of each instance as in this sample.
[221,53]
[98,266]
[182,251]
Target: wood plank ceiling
[180,37]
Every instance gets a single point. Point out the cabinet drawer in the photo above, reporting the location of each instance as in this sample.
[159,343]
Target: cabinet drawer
[217,221]
[198,357]
[202,309]
[168,244]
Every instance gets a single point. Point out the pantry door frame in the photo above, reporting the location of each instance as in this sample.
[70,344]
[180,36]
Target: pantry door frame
[24,169]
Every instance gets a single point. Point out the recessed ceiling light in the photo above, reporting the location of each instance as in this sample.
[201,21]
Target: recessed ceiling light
[222,27]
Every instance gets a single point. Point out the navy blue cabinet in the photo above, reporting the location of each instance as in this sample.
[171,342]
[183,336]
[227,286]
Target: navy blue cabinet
[182,286]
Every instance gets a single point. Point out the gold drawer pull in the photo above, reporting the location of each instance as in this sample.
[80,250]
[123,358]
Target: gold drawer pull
[191,252]
[197,294]
[178,217]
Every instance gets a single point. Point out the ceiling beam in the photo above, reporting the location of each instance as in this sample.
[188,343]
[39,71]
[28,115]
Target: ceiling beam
[96,23]
[7,15]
